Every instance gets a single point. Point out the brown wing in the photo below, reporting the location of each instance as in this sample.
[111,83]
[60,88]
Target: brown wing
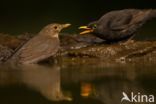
[37,49]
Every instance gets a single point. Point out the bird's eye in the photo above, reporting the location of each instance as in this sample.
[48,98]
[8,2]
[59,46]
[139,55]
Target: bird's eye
[55,27]
[94,26]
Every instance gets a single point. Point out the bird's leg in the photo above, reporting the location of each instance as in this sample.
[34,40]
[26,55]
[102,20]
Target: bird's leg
[129,41]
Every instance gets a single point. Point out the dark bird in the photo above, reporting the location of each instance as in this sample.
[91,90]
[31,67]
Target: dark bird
[40,47]
[119,25]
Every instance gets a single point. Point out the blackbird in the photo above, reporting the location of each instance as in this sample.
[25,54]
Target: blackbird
[40,47]
[119,25]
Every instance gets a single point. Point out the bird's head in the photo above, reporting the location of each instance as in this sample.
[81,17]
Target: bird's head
[54,29]
[90,28]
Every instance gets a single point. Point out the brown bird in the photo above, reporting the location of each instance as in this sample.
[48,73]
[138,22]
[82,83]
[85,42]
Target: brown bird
[40,47]
[120,24]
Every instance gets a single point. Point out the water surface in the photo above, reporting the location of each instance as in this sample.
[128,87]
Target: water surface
[68,83]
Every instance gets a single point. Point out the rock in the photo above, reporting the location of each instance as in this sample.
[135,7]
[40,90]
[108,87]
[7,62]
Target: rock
[138,50]
[13,41]
[78,47]
[5,53]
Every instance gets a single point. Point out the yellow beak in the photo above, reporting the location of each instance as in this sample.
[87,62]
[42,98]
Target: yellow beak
[86,29]
[66,25]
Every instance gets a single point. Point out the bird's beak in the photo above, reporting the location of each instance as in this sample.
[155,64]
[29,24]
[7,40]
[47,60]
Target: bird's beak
[66,25]
[86,29]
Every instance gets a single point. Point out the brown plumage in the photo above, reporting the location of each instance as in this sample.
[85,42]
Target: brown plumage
[40,47]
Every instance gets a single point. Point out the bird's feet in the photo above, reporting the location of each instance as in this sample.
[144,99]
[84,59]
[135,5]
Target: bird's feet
[125,43]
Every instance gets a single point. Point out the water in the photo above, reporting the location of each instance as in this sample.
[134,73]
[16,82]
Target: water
[93,82]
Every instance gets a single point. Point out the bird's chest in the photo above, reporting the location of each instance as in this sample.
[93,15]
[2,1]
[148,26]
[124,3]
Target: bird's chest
[104,30]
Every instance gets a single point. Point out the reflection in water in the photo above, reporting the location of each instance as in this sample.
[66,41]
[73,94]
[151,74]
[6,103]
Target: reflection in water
[86,89]
[111,91]
[106,84]
[87,83]
[45,80]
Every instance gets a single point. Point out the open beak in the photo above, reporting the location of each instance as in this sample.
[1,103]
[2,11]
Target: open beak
[66,25]
[86,29]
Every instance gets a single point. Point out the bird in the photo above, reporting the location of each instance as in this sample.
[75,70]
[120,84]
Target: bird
[119,25]
[44,45]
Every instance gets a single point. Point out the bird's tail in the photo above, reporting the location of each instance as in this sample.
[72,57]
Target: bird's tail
[146,15]
[152,13]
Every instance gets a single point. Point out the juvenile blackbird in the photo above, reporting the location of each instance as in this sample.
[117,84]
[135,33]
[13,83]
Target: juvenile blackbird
[119,25]
[40,47]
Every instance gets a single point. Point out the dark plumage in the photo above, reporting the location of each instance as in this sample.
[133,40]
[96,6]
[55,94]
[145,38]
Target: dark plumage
[119,25]
[40,47]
